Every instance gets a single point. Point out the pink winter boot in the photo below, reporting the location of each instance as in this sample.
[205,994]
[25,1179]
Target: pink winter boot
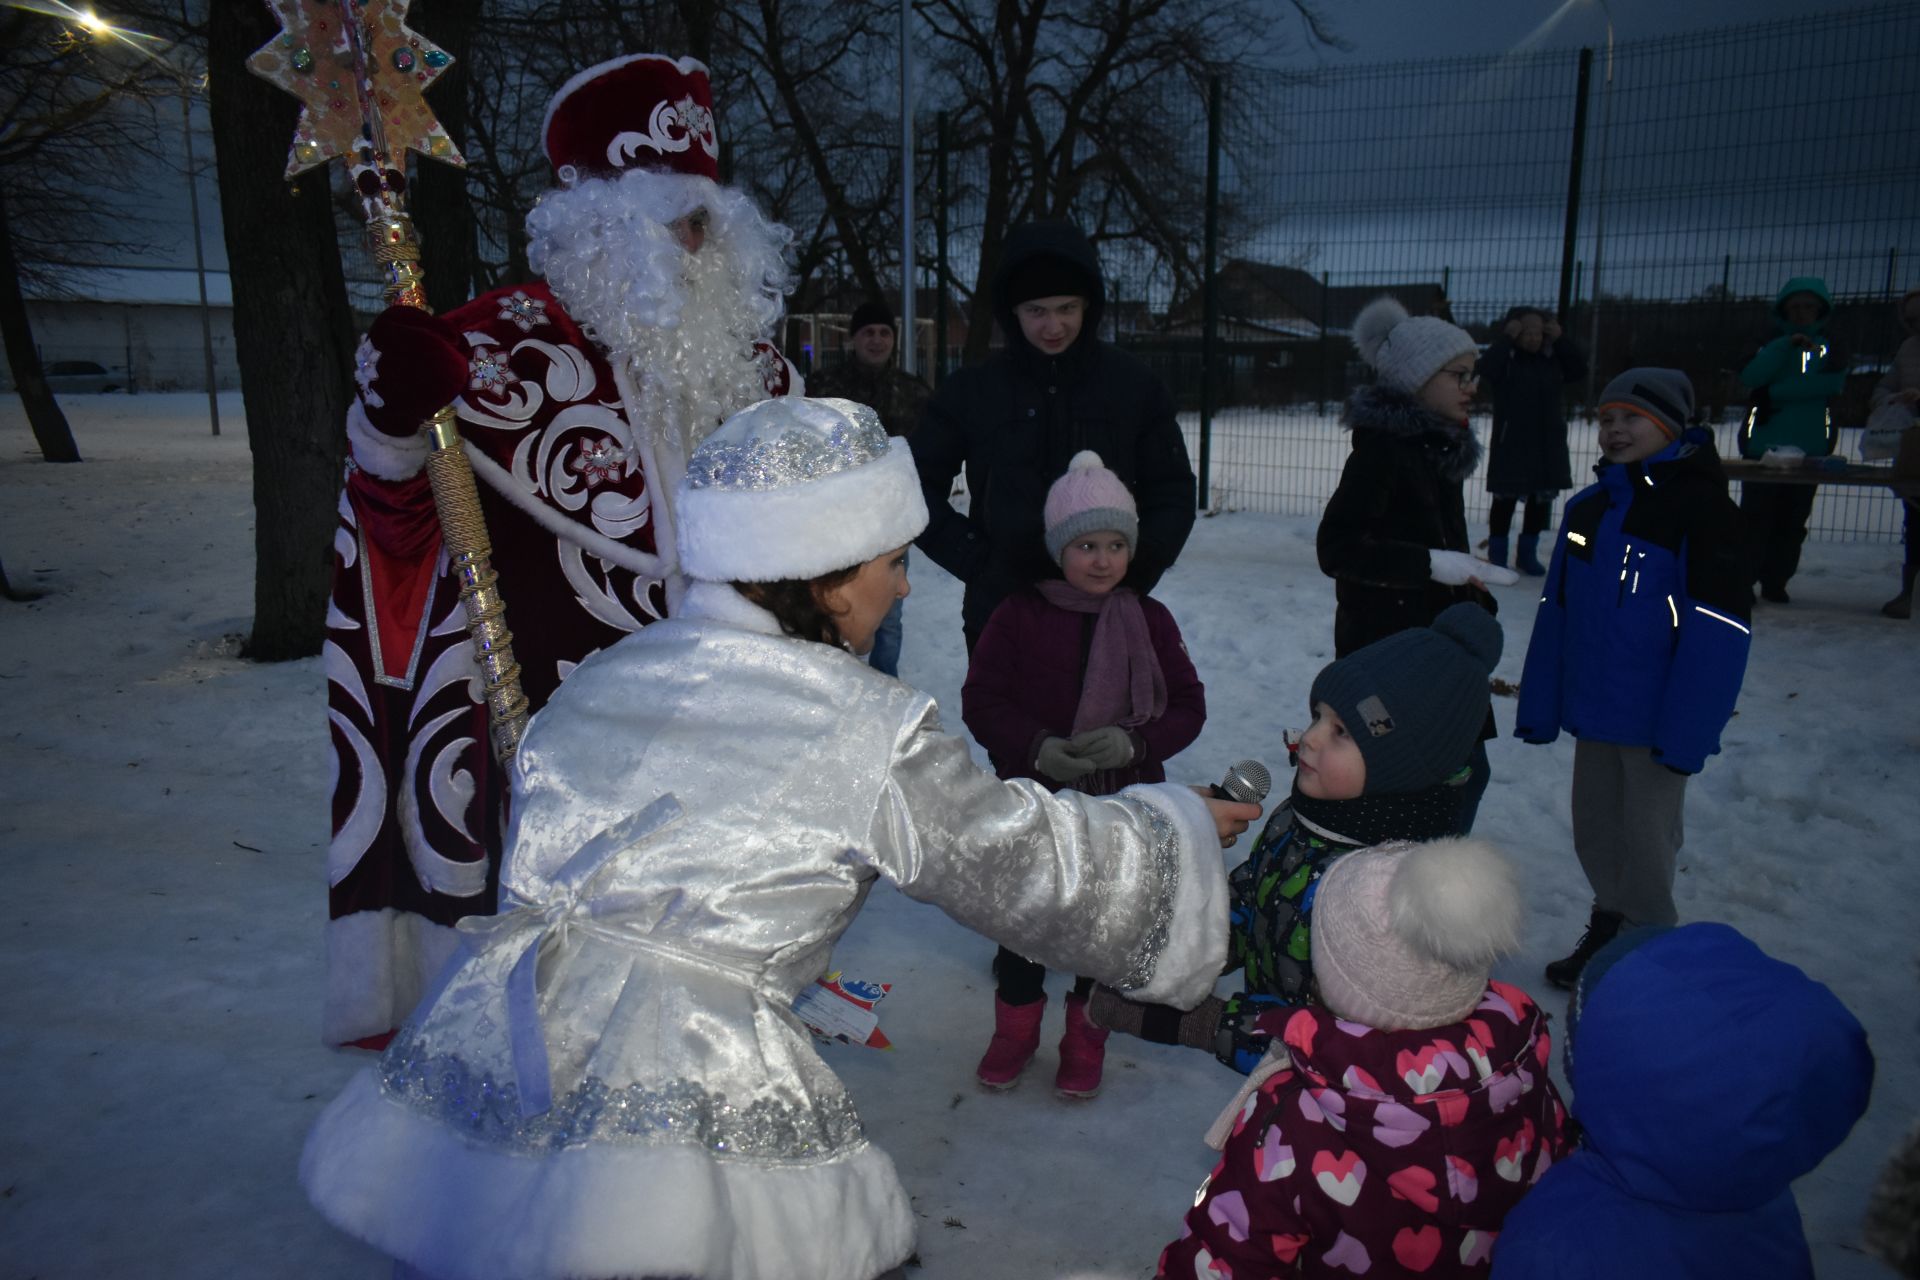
[1083,1051]
[1016,1035]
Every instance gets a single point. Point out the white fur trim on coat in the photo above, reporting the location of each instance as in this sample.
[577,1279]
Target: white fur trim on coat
[1196,948]
[801,530]
[421,1192]
[382,455]
[378,964]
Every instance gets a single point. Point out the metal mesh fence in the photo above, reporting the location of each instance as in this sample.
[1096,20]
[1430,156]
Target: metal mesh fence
[1707,169]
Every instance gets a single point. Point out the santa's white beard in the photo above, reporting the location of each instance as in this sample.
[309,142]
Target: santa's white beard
[683,325]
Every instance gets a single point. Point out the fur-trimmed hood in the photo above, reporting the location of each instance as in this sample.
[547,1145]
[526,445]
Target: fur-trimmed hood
[1376,413]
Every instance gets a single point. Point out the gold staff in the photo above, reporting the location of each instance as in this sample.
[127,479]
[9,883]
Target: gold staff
[360,72]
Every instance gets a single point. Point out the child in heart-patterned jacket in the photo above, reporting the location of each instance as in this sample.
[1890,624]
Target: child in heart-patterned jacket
[1396,1123]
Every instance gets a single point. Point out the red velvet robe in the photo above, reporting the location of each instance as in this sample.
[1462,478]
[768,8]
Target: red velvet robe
[418,801]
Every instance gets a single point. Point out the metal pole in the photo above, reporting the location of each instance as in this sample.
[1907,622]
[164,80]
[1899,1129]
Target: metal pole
[1572,231]
[907,332]
[199,259]
[1326,340]
[1210,289]
[1600,216]
[940,255]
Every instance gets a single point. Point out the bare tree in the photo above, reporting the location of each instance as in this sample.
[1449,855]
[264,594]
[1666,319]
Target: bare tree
[1094,110]
[71,123]
[800,83]
[293,334]
[443,212]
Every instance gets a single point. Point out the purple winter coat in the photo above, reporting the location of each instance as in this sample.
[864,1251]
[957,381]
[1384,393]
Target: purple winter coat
[1023,687]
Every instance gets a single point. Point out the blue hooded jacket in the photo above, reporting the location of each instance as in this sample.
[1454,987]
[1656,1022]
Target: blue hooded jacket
[1642,634]
[1706,1076]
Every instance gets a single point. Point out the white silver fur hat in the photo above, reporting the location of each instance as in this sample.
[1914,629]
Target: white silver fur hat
[793,488]
[1406,350]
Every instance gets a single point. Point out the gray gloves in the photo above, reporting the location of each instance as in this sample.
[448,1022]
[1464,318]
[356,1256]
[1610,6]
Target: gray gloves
[1070,759]
[1056,759]
[1106,748]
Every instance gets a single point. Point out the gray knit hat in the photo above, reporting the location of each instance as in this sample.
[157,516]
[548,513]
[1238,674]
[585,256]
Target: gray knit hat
[1405,351]
[1664,395]
[1416,701]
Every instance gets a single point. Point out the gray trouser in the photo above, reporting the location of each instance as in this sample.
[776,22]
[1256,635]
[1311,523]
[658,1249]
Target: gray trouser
[1627,829]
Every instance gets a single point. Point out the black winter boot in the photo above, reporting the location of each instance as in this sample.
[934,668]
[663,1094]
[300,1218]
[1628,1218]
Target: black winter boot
[1602,927]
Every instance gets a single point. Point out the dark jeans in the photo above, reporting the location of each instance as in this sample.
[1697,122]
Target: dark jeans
[885,656]
[1021,981]
[1534,522]
[1776,516]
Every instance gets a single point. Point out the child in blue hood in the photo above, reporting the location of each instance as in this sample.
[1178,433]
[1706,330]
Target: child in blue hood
[1639,647]
[1706,1077]
[1792,379]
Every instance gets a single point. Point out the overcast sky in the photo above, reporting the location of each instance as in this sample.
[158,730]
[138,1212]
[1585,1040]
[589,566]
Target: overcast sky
[1385,30]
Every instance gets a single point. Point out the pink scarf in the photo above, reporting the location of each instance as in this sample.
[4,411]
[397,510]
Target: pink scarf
[1124,683]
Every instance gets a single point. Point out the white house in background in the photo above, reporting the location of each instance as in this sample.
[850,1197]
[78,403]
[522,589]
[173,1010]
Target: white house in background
[141,325]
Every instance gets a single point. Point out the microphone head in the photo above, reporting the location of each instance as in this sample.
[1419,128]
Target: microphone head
[1248,782]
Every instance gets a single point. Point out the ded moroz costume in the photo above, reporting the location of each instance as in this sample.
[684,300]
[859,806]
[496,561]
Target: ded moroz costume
[578,399]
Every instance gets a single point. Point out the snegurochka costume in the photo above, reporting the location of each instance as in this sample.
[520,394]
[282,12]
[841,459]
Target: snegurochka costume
[609,1081]
[572,467]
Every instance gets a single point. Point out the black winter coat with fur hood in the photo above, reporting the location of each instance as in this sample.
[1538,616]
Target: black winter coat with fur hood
[1399,497]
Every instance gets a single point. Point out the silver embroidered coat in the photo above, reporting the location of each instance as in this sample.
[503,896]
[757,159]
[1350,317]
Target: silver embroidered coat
[609,1080]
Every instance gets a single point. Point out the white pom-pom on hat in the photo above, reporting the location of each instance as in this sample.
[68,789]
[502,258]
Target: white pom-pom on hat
[1371,327]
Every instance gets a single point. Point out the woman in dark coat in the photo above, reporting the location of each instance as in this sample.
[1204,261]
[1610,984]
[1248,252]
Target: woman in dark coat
[1526,369]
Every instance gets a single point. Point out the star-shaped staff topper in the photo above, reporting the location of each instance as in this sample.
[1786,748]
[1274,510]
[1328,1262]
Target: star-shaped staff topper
[313,59]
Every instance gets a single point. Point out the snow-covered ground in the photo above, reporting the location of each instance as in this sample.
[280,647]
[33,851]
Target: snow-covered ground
[163,823]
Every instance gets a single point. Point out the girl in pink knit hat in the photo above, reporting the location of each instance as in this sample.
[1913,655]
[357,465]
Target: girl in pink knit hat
[1084,684]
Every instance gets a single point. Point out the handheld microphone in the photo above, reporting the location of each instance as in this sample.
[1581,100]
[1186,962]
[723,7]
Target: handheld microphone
[1246,783]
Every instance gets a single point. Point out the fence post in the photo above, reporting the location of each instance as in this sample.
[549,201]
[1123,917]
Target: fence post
[1573,184]
[1326,342]
[940,254]
[1209,289]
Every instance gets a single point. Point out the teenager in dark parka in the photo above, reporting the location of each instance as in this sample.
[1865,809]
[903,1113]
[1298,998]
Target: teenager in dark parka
[1014,422]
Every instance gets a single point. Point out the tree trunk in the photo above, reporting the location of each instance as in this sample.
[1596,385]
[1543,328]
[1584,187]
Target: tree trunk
[50,429]
[293,335]
[442,210]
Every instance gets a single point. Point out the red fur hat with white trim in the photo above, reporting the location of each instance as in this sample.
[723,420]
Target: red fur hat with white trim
[643,111]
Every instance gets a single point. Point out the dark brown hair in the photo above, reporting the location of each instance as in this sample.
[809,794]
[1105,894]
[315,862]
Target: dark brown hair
[795,604]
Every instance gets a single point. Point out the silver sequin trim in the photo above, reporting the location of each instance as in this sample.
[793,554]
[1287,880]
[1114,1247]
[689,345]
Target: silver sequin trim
[680,1113]
[1165,857]
[795,455]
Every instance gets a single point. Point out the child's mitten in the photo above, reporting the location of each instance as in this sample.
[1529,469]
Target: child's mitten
[1056,760]
[1109,747]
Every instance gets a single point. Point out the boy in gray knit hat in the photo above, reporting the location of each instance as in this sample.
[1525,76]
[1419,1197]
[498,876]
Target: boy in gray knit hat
[1386,758]
[1639,647]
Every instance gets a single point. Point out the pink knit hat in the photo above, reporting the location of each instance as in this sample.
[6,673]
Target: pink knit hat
[1088,499]
[1404,934]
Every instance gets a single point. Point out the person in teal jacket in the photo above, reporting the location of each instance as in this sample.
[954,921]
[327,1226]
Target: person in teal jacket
[1792,379]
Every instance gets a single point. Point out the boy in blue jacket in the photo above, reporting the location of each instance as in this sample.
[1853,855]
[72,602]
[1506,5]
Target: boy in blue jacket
[1639,647]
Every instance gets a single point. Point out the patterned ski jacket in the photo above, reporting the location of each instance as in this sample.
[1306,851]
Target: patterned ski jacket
[1381,1152]
[1642,634]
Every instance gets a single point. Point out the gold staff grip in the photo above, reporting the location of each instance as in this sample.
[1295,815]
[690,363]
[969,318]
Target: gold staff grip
[464,532]
[463,528]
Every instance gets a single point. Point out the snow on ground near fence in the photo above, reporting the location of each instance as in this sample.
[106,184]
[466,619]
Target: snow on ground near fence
[1287,460]
[163,818]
